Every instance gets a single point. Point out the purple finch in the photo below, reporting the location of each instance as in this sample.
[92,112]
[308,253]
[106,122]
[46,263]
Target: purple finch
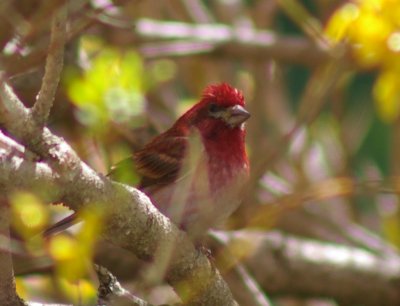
[194,172]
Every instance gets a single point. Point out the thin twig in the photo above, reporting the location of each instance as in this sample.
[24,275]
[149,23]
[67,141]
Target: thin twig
[243,285]
[8,143]
[111,291]
[54,65]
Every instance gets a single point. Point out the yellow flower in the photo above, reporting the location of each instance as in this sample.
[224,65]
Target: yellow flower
[340,22]
[387,95]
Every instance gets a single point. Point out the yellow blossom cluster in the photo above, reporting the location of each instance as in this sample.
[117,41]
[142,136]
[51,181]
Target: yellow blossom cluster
[372,28]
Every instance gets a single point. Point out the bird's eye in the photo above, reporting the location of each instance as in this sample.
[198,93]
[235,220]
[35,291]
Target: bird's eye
[213,108]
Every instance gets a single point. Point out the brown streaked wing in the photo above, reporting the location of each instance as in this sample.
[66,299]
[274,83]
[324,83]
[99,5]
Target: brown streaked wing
[160,161]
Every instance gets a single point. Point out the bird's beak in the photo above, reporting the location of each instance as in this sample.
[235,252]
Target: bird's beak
[236,115]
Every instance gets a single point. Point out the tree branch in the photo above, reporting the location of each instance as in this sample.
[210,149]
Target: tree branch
[286,265]
[8,143]
[226,40]
[8,293]
[53,68]
[111,292]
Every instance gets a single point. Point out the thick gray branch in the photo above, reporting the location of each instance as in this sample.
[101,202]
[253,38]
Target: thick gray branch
[286,265]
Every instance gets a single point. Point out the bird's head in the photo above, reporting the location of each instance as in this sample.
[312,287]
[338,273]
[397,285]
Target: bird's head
[225,103]
[221,108]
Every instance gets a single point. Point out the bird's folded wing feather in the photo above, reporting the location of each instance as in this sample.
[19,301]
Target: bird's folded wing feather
[160,162]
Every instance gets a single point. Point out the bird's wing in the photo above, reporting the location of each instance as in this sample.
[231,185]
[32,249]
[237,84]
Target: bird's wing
[160,162]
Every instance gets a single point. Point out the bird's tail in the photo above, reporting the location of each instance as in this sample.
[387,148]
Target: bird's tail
[61,225]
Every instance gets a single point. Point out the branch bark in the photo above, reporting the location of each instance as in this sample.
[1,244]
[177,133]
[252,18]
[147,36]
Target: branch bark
[53,68]
[8,294]
[286,265]
[111,292]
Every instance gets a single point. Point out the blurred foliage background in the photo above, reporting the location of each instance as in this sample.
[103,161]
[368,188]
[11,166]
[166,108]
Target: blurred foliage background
[321,79]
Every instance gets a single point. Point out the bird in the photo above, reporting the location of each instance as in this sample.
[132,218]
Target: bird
[196,171]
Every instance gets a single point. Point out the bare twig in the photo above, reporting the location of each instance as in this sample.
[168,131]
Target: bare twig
[246,290]
[8,143]
[310,25]
[54,65]
[313,99]
[198,11]
[111,291]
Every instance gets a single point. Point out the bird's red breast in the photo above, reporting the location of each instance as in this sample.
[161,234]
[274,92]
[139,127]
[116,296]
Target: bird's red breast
[198,184]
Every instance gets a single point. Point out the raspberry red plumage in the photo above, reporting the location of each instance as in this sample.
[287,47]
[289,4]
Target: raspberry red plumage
[198,193]
[221,171]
